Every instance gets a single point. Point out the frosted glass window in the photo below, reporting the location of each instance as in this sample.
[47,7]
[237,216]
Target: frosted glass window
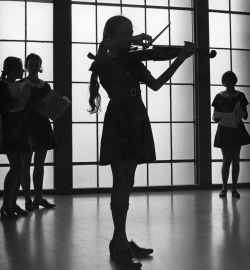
[45,51]
[181,3]
[48,179]
[141,176]
[3,172]
[12,20]
[83,23]
[16,49]
[84,176]
[240,5]
[219,5]
[183,141]
[81,63]
[160,174]
[105,176]
[133,2]
[84,142]
[240,39]
[245,149]
[219,65]
[182,103]
[179,33]
[244,172]
[216,173]
[154,28]
[3,159]
[109,1]
[103,14]
[241,60]
[157,67]
[39,21]
[159,104]
[163,3]
[185,73]
[93,1]
[80,104]
[216,152]
[161,133]
[219,35]
[183,173]
[137,17]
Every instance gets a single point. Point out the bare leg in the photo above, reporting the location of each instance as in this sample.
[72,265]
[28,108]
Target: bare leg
[227,159]
[25,181]
[38,173]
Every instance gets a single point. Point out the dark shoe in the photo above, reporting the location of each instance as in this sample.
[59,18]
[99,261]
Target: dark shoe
[127,259]
[19,210]
[7,212]
[235,193]
[223,193]
[29,206]
[138,251]
[43,203]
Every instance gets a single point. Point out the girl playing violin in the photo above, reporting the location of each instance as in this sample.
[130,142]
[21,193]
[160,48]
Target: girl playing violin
[127,138]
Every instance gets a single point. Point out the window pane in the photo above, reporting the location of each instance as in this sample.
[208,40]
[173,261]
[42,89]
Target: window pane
[3,159]
[216,152]
[84,142]
[159,104]
[183,173]
[161,134]
[160,174]
[133,2]
[39,24]
[182,103]
[3,172]
[184,74]
[240,5]
[81,63]
[84,0]
[181,3]
[216,173]
[241,60]
[163,3]
[84,176]
[80,104]
[179,34]
[109,1]
[16,49]
[183,141]
[245,150]
[141,175]
[157,67]
[244,172]
[219,65]
[105,176]
[220,5]
[83,23]
[154,29]
[103,14]
[45,50]
[12,20]
[50,156]
[137,17]
[219,23]
[240,39]
[48,179]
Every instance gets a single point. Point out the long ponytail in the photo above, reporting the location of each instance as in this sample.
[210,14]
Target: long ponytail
[95,97]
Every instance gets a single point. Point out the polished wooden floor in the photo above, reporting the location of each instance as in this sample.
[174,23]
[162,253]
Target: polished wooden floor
[189,230]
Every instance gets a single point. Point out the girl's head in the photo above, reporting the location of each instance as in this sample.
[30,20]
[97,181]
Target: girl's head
[33,63]
[118,27]
[229,78]
[12,67]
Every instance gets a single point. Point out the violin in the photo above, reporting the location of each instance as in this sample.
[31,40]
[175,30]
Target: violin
[159,53]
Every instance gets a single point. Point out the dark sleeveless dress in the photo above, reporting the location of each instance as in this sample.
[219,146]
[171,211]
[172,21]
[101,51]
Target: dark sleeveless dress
[127,131]
[227,136]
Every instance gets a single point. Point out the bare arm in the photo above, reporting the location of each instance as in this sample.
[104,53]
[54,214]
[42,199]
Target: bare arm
[187,51]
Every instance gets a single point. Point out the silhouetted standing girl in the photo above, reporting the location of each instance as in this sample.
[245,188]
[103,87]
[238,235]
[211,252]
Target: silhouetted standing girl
[127,138]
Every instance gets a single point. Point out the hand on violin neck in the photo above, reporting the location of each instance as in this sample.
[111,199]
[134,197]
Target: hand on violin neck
[143,40]
[187,51]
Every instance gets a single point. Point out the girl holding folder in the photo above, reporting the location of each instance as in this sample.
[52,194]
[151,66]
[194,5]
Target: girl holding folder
[230,138]
[41,135]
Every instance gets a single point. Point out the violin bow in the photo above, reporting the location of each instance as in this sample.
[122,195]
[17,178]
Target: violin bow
[154,39]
